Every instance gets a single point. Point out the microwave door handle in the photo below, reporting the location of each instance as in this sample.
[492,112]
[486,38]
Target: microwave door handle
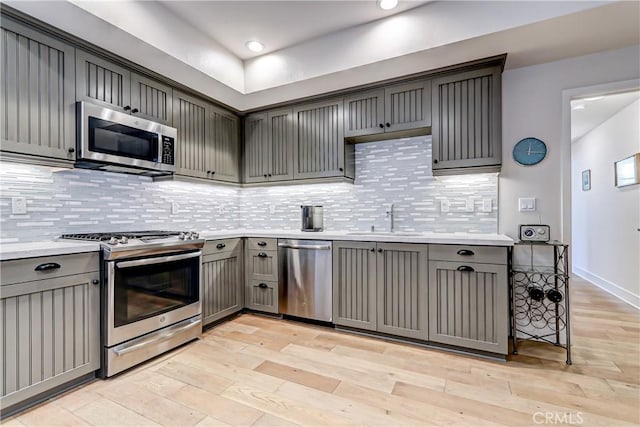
[159,260]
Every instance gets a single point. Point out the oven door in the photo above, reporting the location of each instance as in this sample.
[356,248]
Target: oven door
[144,295]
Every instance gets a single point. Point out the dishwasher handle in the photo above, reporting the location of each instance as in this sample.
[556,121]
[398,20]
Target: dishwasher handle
[313,247]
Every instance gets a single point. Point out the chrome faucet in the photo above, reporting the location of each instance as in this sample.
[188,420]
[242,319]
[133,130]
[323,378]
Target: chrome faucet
[390,216]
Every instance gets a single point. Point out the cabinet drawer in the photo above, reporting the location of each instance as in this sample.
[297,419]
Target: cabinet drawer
[263,296]
[469,253]
[222,245]
[263,265]
[261,244]
[32,269]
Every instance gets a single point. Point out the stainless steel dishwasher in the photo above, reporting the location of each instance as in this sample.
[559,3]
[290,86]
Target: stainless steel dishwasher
[305,278]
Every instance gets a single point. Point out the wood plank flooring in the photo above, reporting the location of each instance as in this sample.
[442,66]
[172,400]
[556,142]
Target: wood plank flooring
[258,371]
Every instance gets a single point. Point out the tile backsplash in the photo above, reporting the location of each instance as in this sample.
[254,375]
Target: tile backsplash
[398,172]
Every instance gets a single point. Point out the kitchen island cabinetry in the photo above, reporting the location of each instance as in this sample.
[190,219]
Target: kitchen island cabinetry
[381,287]
[50,324]
[262,275]
[468,297]
[467,125]
[103,82]
[38,102]
[222,279]
[393,108]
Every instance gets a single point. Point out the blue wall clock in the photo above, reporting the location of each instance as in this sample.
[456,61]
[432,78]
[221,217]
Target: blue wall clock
[529,151]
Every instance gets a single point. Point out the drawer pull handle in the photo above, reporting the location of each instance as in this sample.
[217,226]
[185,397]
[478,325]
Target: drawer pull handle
[466,268]
[465,252]
[95,281]
[263,286]
[220,245]
[262,243]
[262,255]
[48,266]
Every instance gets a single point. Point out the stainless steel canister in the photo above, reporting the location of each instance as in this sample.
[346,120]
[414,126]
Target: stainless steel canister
[312,218]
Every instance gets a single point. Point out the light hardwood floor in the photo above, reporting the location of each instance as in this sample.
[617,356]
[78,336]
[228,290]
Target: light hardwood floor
[265,372]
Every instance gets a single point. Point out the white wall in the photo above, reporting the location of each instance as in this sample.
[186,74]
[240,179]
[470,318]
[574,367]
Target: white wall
[605,218]
[532,106]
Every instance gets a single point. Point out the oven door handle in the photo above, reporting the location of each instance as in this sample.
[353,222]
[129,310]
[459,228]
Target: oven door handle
[130,347]
[158,260]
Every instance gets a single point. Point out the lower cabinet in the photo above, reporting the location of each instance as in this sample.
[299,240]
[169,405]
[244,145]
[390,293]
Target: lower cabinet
[222,280]
[50,325]
[381,287]
[468,305]
[262,276]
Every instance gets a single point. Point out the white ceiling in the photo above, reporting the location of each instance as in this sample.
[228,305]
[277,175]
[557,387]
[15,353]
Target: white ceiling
[597,111]
[276,24]
[316,47]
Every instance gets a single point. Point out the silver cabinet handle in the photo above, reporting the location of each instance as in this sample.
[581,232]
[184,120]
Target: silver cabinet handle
[316,247]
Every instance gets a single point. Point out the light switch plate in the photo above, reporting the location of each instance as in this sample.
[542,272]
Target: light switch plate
[487,205]
[527,204]
[444,206]
[174,208]
[469,205]
[18,205]
[272,209]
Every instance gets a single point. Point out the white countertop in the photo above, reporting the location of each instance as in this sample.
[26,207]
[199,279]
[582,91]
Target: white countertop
[9,251]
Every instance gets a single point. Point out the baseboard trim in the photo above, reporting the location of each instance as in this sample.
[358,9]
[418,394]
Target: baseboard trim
[615,290]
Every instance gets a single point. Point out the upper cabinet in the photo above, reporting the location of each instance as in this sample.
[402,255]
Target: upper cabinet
[103,82]
[394,108]
[318,148]
[208,139]
[268,152]
[37,78]
[466,121]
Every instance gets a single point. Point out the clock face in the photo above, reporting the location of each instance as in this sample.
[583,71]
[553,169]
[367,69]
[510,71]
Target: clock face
[529,151]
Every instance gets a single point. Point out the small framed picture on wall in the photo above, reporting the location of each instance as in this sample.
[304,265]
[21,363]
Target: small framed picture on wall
[586,180]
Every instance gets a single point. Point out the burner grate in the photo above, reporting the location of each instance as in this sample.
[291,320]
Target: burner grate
[100,237]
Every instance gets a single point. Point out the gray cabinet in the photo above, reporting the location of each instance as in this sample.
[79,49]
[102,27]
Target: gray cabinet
[394,108]
[262,276]
[222,279]
[189,116]
[318,148]
[37,102]
[381,287]
[468,301]
[50,325]
[467,121]
[223,145]
[269,146]
[100,81]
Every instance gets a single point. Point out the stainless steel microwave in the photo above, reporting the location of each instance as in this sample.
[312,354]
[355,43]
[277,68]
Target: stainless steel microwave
[118,142]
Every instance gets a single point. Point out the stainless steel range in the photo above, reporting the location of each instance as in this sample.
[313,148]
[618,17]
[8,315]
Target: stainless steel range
[150,296]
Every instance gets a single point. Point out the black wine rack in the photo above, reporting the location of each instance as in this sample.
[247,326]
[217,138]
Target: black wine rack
[540,298]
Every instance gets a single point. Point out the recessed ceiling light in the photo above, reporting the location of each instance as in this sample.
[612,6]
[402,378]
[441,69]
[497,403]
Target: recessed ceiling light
[594,98]
[578,107]
[387,4]
[254,46]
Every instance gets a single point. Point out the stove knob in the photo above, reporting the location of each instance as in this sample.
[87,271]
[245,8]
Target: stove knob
[195,235]
[113,241]
[124,240]
[182,236]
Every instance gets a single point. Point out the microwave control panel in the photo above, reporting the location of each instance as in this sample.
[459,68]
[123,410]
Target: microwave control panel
[168,150]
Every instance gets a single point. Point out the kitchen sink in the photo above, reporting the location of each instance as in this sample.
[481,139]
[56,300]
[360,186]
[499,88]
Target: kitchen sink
[383,233]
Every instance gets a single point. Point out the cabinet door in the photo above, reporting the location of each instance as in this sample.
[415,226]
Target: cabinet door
[153,100]
[402,279]
[51,331]
[354,284]
[222,285]
[468,305]
[407,106]
[466,119]
[37,103]
[223,145]
[280,149]
[102,82]
[189,117]
[364,113]
[256,148]
[318,140]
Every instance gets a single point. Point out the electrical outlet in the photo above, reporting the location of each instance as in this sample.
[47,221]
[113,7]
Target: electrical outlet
[174,208]
[18,205]
[220,209]
[272,209]
[444,205]
[469,205]
[527,204]
[487,205]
